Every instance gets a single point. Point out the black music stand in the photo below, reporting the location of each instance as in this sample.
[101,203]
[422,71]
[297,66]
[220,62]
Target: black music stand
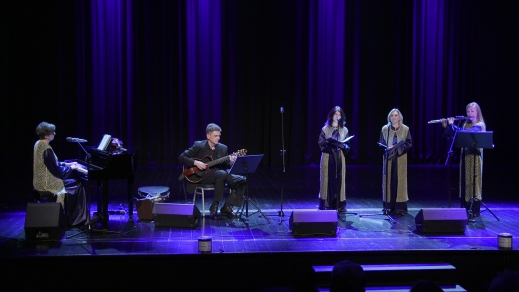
[89,222]
[473,141]
[335,141]
[385,166]
[243,166]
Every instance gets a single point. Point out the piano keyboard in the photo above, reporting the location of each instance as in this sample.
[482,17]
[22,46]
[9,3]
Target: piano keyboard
[82,170]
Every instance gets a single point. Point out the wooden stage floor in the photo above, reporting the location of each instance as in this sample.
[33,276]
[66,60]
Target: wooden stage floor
[364,239]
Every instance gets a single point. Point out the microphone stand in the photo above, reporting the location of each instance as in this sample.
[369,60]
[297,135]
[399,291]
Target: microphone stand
[337,152]
[338,181]
[385,211]
[281,214]
[449,155]
[386,156]
[89,223]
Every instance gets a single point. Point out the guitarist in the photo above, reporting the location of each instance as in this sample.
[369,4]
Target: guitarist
[199,155]
[397,137]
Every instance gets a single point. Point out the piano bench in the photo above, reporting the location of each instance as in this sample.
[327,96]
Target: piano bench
[44,196]
[48,197]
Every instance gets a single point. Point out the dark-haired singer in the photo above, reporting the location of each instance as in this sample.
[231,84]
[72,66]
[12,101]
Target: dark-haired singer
[332,189]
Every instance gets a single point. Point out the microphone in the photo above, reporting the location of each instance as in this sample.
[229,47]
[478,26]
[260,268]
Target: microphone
[281,109]
[119,148]
[338,119]
[78,140]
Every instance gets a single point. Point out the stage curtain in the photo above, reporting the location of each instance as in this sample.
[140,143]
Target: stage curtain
[155,73]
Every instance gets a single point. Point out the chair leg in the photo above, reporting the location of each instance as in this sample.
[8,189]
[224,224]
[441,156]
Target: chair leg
[203,203]
[200,192]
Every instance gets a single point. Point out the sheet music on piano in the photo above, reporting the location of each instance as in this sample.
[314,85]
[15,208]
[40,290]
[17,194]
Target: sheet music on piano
[103,145]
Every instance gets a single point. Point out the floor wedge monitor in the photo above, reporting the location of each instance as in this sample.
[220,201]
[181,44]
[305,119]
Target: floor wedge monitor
[44,221]
[176,215]
[313,222]
[441,220]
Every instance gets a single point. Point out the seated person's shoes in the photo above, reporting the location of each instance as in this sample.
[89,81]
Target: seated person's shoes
[226,211]
[213,210]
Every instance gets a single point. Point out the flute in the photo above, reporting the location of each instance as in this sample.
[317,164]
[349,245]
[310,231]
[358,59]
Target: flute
[456,118]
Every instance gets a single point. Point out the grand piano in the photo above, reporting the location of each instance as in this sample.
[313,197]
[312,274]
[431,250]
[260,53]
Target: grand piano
[103,167]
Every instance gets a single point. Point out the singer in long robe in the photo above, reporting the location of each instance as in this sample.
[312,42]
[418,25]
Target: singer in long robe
[394,178]
[333,161]
[53,176]
[468,157]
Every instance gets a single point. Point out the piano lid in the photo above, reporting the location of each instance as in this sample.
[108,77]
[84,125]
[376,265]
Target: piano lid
[109,166]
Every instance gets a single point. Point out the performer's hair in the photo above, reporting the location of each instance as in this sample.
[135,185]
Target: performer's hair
[212,127]
[480,114]
[44,129]
[329,121]
[401,117]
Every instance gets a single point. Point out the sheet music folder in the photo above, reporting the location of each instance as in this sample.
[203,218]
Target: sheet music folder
[103,145]
[246,164]
[480,139]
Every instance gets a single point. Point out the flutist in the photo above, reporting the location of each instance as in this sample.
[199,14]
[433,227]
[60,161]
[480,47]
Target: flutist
[474,122]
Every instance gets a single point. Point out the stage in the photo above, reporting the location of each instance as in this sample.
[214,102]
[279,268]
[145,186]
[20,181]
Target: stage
[256,253]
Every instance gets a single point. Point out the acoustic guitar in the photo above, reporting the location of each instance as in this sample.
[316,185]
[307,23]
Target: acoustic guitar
[194,175]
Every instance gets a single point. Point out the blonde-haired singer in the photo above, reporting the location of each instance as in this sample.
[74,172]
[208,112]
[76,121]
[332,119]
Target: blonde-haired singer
[397,138]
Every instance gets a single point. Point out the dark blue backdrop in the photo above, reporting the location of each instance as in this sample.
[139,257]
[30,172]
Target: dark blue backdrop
[155,73]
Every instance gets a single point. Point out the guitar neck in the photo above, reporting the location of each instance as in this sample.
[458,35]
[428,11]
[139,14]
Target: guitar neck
[217,161]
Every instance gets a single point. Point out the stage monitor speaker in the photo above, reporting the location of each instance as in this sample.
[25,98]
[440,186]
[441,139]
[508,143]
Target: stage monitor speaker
[44,222]
[176,215]
[313,222]
[441,220]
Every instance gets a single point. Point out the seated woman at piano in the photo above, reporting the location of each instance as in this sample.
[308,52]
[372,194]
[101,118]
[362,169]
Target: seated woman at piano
[53,176]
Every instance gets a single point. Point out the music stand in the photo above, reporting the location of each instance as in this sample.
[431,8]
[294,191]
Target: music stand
[385,211]
[475,140]
[89,222]
[243,166]
[335,141]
